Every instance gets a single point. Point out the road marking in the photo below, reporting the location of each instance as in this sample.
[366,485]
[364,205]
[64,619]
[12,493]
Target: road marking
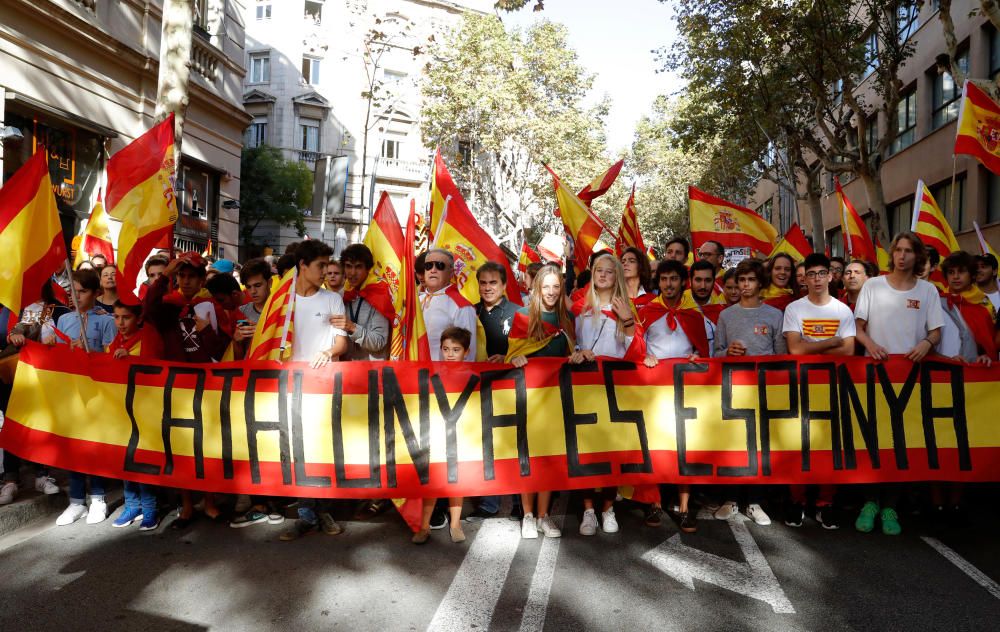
[754,578]
[533,618]
[475,590]
[977,575]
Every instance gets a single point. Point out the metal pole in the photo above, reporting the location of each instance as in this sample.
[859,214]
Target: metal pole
[79,312]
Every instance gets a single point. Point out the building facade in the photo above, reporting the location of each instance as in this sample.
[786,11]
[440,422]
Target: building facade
[925,125]
[80,78]
[335,84]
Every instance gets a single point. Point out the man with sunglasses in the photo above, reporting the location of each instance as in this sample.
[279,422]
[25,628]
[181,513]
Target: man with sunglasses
[444,306]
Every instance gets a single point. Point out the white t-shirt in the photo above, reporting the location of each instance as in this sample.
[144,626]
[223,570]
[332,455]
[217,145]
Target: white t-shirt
[899,320]
[599,334]
[441,312]
[661,343]
[818,322]
[313,331]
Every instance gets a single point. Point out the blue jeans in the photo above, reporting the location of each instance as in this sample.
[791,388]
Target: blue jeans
[78,487]
[140,496]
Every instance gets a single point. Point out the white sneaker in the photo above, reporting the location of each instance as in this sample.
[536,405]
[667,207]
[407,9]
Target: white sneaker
[98,512]
[549,528]
[588,525]
[242,505]
[608,522]
[728,509]
[529,528]
[46,485]
[758,515]
[71,515]
[8,492]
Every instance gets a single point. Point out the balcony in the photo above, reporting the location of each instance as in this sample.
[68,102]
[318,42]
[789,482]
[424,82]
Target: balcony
[405,170]
[205,59]
[309,156]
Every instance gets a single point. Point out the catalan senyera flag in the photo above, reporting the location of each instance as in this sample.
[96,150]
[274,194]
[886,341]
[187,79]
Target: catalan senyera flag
[978,129]
[141,195]
[276,324]
[629,235]
[793,243]
[858,243]
[454,228]
[527,257]
[930,224]
[411,316]
[731,225]
[383,287]
[578,221]
[31,237]
[96,237]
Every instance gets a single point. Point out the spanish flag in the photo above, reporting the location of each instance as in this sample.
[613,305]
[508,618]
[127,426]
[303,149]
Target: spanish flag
[383,287]
[578,221]
[628,233]
[600,185]
[883,256]
[930,223]
[141,195]
[527,257]
[732,226]
[978,129]
[411,316]
[31,237]
[858,243]
[96,238]
[454,228]
[794,243]
[520,342]
[272,340]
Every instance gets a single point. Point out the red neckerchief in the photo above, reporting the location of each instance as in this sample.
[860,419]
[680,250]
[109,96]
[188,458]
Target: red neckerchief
[187,306]
[691,320]
[120,342]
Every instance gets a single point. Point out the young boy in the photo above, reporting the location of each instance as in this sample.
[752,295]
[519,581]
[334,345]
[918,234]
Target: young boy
[455,343]
[134,340]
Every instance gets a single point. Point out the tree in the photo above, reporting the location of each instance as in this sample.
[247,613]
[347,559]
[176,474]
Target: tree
[174,71]
[272,189]
[497,101]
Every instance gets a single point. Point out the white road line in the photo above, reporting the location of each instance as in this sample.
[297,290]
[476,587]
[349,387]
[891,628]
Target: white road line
[475,590]
[977,575]
[533,619]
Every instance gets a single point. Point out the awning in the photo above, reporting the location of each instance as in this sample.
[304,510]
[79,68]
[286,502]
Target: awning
[60,114]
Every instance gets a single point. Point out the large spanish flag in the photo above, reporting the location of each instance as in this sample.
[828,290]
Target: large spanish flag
[454,228]
[628,233]
[578,221]
[858,243]
[141,195]
[526,258]
[272,340]
[411,315]
[978,129]
[96,237]
[384,286]
[794,243]
[31,237]
[731,225]
[930,223]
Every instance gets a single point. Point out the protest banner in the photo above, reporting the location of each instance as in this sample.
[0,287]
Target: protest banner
[372,429]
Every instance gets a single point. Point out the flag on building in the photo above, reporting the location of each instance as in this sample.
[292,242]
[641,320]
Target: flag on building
[628,233]
[578,221]
[526,258]
[141,195]
[31,237]
[731,225]
[454,228]
[413,333]
[858,243]
[96,237]
[930,224]
[794,243]
[978,129]
[272,339]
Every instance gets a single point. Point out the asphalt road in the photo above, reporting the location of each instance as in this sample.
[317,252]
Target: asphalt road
[731,575]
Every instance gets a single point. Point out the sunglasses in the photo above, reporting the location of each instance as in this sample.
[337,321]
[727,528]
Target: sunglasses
[430,265]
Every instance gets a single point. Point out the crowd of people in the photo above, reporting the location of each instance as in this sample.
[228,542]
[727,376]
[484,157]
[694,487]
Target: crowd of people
[624,306]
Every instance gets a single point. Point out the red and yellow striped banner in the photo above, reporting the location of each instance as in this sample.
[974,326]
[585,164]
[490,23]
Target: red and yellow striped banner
[629,235]
[930,224]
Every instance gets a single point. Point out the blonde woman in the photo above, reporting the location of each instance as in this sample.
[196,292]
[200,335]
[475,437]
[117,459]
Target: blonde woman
[543,329]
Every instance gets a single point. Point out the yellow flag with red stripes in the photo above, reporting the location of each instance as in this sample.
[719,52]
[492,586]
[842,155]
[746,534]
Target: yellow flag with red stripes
[930,224]
[272,339]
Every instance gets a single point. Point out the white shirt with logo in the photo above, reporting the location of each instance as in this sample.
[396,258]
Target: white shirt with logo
[898,320]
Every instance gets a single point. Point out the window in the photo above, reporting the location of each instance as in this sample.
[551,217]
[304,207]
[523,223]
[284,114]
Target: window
[310,70]
[200,10]
[871,52]
[906,122]
[390,148]
[993,202]
[314,12]
[766,210]
[837,91]
[257,132]
[994,53]
[260,67]
[309,136]
[907,20]
[835,241]
[953,204]
[900,215]
[871,135]
[947,94]
[263,11]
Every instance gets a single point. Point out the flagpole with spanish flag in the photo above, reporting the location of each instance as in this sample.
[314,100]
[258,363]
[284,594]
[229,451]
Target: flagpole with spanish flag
[978,127]
[731,225]
[858,243]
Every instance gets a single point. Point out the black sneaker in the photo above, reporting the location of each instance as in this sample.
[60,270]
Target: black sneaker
[479,515]
[687,521]
[438,519]
[828,517]
[958,518]
[794,515]
[247,519]
[654,516]
[516,513]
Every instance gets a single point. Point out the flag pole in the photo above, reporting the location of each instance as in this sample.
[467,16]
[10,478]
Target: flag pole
[76,304]
[951,200]
[288,314]
[440,224]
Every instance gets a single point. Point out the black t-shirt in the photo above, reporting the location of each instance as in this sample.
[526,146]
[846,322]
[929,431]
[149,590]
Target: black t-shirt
[496,325]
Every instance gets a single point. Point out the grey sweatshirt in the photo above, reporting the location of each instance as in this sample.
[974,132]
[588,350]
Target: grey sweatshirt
[758,328]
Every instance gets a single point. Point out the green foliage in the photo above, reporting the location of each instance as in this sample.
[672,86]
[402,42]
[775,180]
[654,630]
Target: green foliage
[272,189]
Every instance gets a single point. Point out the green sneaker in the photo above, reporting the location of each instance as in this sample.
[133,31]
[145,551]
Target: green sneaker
[866,519]
[890,522]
